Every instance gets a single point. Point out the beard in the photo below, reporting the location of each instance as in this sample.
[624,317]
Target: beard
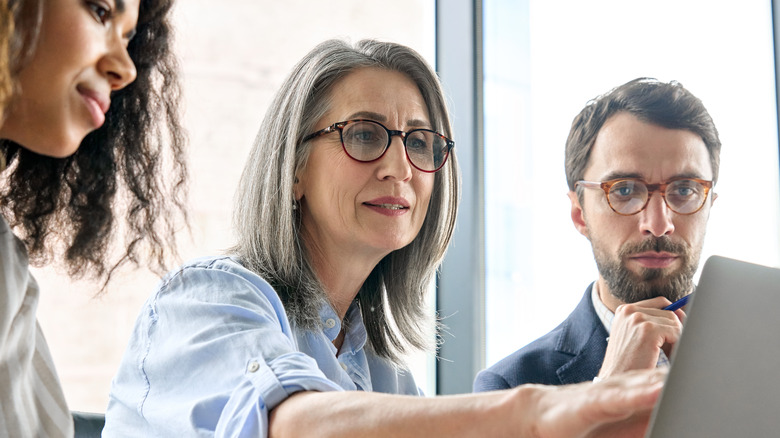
[630,287]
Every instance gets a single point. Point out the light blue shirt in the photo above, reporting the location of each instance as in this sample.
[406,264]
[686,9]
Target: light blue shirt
[212,352]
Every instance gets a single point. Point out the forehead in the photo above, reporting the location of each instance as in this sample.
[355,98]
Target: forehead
[628,147]
[391,94]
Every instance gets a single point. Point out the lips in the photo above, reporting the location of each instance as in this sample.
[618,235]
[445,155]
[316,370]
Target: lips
[388,205]
[96,103]
[651,259]
[391,202]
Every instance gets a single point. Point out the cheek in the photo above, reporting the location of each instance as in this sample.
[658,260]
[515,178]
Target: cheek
[609,230]
[694,230]
[424,190]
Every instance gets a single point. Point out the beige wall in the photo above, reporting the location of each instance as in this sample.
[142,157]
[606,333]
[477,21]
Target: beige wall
[234,55]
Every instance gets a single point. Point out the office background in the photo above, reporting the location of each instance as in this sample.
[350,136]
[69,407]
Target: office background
[516,72]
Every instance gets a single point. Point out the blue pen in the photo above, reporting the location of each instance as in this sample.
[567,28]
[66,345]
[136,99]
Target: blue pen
[679,303]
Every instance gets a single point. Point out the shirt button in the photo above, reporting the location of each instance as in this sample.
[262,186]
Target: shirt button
[253,366]
[330,323]
[343,366]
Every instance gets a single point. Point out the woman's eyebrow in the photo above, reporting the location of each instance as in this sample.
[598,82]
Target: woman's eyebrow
[382,119]
[368,115]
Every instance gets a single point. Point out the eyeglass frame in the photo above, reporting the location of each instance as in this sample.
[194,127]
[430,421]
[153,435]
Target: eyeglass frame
[651,188]
[339,126]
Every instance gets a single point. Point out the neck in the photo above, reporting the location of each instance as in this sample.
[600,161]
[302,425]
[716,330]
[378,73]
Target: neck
[606,296]
[342,275]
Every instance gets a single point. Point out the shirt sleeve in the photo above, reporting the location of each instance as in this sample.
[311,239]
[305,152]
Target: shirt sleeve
[31,400]
[212,353]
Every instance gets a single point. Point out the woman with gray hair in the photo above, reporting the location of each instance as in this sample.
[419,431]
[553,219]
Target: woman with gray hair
[345,209]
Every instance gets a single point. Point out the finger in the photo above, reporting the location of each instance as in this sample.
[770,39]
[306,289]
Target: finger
[634,426]
[633,317]
[658,302]
[624,394]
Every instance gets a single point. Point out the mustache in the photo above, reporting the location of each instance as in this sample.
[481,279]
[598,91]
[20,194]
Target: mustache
[657,244]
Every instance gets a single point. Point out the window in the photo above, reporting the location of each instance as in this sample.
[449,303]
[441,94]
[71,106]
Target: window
[234,57]
[543,62]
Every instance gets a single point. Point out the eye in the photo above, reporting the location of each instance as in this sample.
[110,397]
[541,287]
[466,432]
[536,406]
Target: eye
[625,190]
[686,188]
[418,141]
[100,11]
[363,133]
[417,144]
[685,191]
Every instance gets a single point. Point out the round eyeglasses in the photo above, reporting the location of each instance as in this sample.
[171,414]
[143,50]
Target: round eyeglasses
[629,196]
[367,140]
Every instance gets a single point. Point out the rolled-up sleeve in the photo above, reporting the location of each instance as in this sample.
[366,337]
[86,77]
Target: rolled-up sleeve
[211,354]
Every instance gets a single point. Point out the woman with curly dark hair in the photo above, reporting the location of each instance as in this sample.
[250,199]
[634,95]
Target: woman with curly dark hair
[89,132]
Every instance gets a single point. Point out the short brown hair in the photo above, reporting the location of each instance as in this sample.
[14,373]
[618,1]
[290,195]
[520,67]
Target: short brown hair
[666,104]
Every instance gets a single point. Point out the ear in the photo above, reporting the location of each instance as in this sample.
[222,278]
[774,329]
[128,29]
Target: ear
[297,189]
[578,215]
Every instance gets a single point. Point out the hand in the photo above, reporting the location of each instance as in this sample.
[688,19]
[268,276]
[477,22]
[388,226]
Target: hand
[638,332]
[619,407]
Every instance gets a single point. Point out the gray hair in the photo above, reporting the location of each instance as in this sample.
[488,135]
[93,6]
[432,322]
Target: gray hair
[268,227]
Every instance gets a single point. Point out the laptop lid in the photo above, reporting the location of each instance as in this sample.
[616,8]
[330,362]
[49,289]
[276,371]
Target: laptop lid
[724,379]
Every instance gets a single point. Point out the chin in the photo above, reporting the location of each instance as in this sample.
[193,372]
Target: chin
[389,247]
[61,147]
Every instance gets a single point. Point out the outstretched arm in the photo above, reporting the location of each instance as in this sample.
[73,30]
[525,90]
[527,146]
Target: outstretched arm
[620,407]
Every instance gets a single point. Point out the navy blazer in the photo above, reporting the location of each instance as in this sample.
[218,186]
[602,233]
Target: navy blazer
[570,353]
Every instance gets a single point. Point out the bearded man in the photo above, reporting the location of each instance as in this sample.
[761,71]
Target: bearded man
[641,161]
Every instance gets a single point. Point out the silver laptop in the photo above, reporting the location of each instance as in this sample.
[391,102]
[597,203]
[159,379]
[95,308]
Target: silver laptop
[724,379]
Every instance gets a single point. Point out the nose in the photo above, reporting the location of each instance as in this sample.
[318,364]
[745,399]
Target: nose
[117,65]
[656,218]
[394,164]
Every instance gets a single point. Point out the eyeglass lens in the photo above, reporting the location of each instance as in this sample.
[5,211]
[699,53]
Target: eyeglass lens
[367,141]
[683,196]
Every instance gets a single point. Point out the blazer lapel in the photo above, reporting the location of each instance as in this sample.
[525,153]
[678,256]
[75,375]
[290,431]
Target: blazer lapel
[585,338]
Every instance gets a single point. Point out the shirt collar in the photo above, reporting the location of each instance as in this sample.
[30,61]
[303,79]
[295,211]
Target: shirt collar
[355,335]
[605,315]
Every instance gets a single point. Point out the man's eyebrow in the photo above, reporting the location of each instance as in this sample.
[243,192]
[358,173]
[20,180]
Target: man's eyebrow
[620,175]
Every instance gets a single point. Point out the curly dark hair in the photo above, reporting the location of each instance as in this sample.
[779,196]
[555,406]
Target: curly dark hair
[69,205]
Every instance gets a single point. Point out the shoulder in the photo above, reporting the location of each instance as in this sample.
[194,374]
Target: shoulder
[215,280]
[530,364]
[539,361]
[14,263]
[213,270]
